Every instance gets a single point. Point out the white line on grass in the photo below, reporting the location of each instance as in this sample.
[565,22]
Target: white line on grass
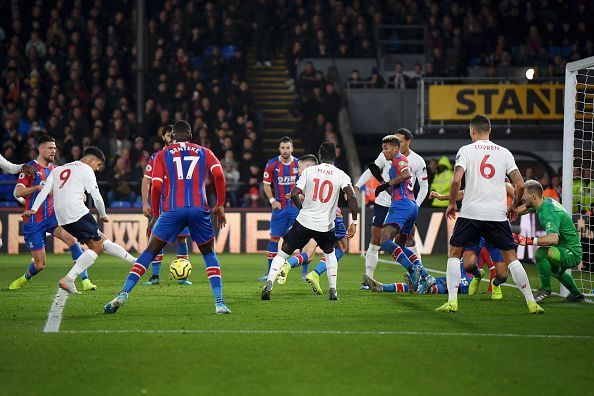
[484,280]
[336,332]
[54,317]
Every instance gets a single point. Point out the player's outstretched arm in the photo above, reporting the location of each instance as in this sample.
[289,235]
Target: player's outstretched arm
[445,197]
[13,169]
[296,193]
[551,239]
[354,208]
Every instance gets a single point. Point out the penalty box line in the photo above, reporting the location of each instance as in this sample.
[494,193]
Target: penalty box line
[333,332]
[54,317]
[483,280]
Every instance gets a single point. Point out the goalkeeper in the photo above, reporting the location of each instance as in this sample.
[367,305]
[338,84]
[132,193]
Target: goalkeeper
[560,249]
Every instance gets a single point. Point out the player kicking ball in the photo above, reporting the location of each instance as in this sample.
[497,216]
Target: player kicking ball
[401,216]
[45,221]
[559,250]
[182,238]
[484,213]
[180,174]
[320,186]
[68,184]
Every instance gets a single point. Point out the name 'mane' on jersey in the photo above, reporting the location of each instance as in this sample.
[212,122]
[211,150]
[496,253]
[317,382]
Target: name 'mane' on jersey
[322,185]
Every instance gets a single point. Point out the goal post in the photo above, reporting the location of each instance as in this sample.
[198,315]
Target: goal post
[578,162]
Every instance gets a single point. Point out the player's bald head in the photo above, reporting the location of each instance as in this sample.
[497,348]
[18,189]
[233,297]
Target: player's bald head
[533,187]
[182,131]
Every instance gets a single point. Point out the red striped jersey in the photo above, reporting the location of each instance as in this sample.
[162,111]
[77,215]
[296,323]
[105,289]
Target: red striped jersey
[283,178]
[182,168]
[46,210]
[403,190]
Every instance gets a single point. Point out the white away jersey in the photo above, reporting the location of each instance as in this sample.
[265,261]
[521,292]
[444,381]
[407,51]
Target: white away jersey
[486,165]
[322,185]
[384,198]
[69,183]
[418,167]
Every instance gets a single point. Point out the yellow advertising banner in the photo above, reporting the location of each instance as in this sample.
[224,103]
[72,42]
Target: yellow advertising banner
[496,101]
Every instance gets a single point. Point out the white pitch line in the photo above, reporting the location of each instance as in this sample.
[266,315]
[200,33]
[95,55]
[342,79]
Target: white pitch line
[337,332]
[484,280]
[54,317]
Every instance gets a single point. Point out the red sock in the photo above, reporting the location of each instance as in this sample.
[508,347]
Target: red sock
[486,260]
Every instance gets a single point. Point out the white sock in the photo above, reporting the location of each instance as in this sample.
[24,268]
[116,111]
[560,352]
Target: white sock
[332,269]
[82,263]
[415,249]
[520,278]
[371,258]
[113,249]
[453,278]
[276,265]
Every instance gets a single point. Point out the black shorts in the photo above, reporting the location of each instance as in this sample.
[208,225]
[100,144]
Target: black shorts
[379,215]
[298,236]
[84,229]
[468,232]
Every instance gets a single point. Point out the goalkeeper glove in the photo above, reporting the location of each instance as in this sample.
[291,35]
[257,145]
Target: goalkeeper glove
[523,240]
[381,188]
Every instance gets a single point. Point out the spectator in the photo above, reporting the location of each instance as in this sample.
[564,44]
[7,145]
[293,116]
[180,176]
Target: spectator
[399,80]
[120,182]
[553,190]
[441,181]
[355,80]
[232,177]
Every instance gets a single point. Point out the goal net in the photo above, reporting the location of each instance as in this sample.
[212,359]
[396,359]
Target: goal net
[578,162]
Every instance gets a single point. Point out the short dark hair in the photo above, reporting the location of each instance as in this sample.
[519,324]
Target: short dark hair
[95,152]
[533,187]
[167,129]
[309,158]
[45,139]
[285,139]
[404,132]
[391,139]
[481,123]
[327,152]
[182,126]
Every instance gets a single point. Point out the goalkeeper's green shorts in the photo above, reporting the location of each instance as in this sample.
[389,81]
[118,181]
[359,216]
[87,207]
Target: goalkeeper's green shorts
[567,258]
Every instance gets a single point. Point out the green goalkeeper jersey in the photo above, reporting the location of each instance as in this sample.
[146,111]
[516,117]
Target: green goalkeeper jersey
[555,220]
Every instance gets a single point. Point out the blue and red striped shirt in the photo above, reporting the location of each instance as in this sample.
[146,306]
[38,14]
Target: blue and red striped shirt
[404,190]
[283,178]
[46,210]
[182,168]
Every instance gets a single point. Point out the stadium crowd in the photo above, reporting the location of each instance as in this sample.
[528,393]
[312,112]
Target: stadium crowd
[68,69]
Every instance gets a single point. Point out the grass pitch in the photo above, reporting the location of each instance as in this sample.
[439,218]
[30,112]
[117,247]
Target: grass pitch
[167,340]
